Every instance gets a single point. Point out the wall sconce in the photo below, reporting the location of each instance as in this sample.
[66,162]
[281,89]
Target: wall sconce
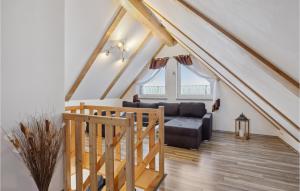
[117,45]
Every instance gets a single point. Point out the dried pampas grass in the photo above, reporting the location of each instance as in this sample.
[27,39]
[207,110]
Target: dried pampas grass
[38,142]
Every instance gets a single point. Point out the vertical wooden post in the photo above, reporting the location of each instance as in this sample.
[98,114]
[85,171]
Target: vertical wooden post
[81,108]
[139,127]
[99,137]
[72,123]
[109,158]
[161,140]
[130,183]
[118,146]
[93,156]
[78,152]
[151,138]
[67,156]
[91,112]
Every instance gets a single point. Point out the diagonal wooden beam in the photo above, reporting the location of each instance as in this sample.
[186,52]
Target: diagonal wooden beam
[140,73]
[263,60]
[144,15]
[233,87]
[112,26]
[132,56]
[227,69]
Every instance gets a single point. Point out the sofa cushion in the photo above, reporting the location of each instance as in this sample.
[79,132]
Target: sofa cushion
[192,109]
[130,104]
[171,109]
[148,105]
[169,118]
[184,126]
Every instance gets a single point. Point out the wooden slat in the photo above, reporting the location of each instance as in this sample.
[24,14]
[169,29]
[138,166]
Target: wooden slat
[161,140]
[146,131]
[117,139]
[122,109]
[132,56]
[93,156]
[140,73]
[72,123]
[109,158]
[229,35]
[141,13]
[99,164]
[139,126]
[117,18]
[99,136]
[83,126]
[67,156]
[152,139]
[141,168]
[97,119]
[130,153]
[118,145]
[79,153]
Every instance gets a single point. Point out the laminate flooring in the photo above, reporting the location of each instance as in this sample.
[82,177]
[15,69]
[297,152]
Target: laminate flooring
[263,163]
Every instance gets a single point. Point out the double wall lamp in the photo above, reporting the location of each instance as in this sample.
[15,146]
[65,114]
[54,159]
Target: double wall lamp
[119,46]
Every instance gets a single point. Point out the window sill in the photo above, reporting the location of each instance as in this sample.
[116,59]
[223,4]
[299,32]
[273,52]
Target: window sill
[196,99]
[156,98]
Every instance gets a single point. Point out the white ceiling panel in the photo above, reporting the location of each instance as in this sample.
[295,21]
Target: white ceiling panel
[106,68]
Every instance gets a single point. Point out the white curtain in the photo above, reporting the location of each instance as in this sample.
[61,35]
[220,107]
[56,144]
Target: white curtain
[147,76]
[198,68]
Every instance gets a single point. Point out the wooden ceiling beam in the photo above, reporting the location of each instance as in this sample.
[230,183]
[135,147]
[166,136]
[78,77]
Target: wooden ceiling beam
[145,16]
[222,65]
[132,56]
[229,35]
[112,26]
[140,73]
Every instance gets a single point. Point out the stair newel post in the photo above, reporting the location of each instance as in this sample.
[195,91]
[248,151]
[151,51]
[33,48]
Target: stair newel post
[130,177]
[161,140]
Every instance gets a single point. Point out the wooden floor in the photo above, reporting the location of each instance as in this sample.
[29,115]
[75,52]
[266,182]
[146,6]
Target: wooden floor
[225,163]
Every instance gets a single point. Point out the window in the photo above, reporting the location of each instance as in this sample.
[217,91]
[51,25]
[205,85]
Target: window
[191,85]
[155,87]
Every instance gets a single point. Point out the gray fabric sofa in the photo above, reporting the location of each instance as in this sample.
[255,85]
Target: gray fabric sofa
[187,124]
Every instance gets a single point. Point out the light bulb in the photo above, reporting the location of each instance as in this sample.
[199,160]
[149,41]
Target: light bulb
[120,44]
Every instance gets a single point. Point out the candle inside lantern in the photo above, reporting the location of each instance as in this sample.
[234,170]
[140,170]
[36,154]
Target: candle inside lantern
[242,132]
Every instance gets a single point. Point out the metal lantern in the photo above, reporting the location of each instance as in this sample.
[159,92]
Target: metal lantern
[242,129]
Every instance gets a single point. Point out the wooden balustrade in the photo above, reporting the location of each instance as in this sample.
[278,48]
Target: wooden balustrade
[121,172]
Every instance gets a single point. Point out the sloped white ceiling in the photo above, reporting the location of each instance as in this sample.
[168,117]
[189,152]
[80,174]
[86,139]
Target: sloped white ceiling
[85,24]
[104,70]
[235,65]
[137,64]
[270,27]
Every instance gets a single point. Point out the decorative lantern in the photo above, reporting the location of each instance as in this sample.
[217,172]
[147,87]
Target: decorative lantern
[242,129]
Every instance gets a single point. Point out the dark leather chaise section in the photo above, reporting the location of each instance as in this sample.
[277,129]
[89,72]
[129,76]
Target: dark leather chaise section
[186,123]
[184,132]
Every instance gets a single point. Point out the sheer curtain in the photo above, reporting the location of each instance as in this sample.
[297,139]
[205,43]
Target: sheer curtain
[147,76]
[198,68]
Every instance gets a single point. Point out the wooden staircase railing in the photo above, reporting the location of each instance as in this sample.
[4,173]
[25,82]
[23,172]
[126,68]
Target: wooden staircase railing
[74,124]
[144,174]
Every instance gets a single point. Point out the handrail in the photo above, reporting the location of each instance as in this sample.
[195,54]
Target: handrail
[116,128]
[74,124]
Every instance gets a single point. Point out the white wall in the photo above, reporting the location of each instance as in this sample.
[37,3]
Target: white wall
[232,105]
[85,24]
[32,75]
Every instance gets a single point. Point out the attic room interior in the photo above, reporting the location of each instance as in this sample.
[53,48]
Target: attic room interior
[172,95]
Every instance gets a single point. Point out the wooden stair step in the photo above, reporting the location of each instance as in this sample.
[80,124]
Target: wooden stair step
[146,179]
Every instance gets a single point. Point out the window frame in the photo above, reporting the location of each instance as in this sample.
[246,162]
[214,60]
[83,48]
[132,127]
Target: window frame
[179,96]
[154,96]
